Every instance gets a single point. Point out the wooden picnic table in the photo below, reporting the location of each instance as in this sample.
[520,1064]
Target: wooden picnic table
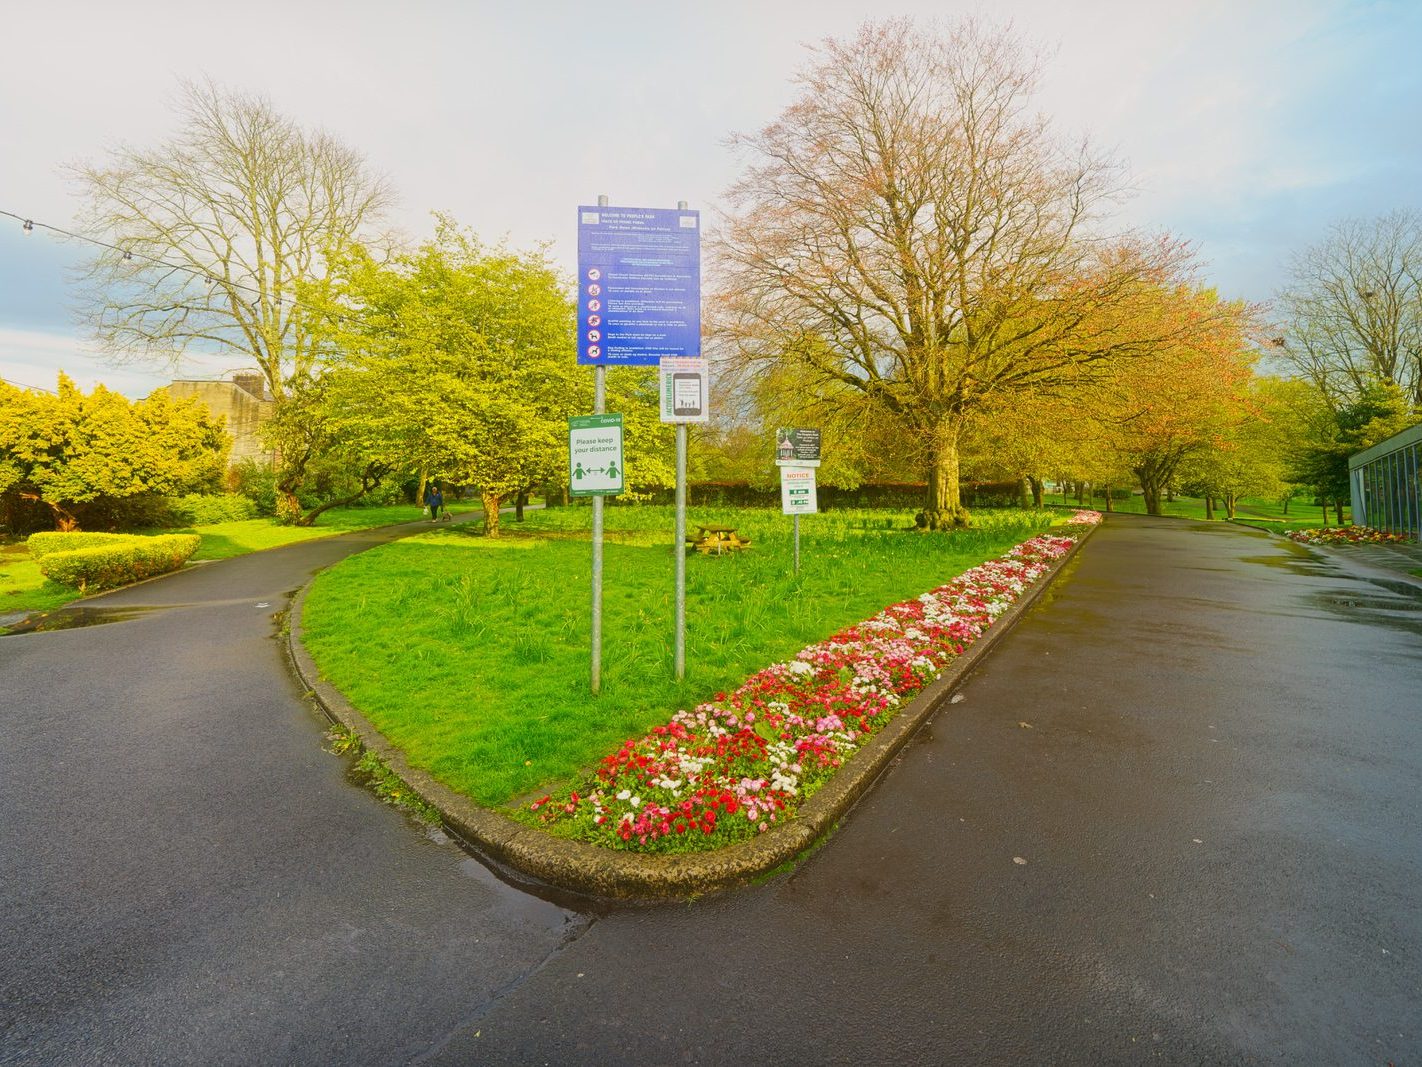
[718,539]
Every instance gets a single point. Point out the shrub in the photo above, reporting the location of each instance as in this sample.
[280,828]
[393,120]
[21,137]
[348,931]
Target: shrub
[48,543]
[204,509]
[1004,494]
[120,562]
[257,482]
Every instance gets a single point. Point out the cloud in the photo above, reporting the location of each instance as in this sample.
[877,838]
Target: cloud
[34,359]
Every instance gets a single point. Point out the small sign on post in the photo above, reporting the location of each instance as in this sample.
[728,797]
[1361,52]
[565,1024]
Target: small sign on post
[683,389]
[797,491]
[798,497]
[595,466]
[797,448]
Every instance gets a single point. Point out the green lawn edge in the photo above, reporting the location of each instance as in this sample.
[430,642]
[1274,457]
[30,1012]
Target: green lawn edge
[24,590]
[535,859]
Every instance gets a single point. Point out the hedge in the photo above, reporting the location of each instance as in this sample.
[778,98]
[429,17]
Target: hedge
[205,509]
[49,542]
[127,560]
[867,495]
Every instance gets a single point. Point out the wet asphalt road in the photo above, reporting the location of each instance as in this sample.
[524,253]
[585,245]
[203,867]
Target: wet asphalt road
[1205,748]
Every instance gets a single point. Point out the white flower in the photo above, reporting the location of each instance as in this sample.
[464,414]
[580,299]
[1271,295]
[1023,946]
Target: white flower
[624,794]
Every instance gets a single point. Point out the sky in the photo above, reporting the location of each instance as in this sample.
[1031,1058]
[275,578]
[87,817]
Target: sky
[1249,126]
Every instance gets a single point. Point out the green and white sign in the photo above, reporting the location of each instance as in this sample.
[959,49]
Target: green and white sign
[595,455]
[797,491]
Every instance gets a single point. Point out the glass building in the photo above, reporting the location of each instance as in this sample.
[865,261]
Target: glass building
[1386,483]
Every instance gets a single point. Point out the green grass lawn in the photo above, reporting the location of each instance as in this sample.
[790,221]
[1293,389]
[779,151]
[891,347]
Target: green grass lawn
[23,588]
[1265,514]
[224,540]
[472,655]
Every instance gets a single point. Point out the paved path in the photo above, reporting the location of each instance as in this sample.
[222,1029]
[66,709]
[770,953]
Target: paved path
[1215,794]
[187,878]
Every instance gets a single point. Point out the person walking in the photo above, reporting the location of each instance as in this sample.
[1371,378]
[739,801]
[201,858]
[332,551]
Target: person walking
[434,500]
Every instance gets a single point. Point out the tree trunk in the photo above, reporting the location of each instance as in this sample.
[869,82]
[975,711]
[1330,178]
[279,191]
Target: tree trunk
[1037,488]
[945,509]
[1109,507]
[1209,508]
[491,512]
[64,520]
[288,506]
[1230,501]
[1337,510]
[1286,506]
[520,502]
[1024,492]
[369,479]
[420,490]
[1154,479]
[1169,493]
[1081,494]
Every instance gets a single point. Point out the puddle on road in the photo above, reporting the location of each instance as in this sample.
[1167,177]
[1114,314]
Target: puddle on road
[1403,612]
[72,619]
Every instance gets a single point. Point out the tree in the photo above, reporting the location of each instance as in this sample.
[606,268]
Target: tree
[1030,436]
[1252,456]
[1353,307]
[908,232]
[213,231]
[1377,414]
[315,444]
[78,455]
[455,359]
[1185,398]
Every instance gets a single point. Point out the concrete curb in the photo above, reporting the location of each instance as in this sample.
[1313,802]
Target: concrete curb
[611,874]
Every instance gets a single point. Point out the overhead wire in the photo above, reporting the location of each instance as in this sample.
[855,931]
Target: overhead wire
[29,224]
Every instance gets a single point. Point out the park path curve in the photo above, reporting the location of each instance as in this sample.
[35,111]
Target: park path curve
[187,877]
[1203,746]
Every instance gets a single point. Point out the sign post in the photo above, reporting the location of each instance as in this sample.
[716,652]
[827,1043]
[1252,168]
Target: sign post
[639,303]
[798,497]
[683,391]
[797,454]
[596,469]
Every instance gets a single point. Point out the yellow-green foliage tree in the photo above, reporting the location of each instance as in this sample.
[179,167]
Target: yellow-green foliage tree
[1252,456]
[458,359]
[1185,399]
[79,455]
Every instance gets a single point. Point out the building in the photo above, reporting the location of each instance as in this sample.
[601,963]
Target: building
[244,403]
[1386,484]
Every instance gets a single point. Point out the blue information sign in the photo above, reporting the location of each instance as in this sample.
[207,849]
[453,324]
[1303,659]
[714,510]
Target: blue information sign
[639,285]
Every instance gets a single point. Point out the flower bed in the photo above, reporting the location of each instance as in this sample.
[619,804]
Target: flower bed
[734,766]
[1347,535]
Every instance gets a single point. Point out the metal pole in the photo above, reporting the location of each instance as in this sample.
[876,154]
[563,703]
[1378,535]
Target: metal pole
[797,544]
[679,641]
[680,551]
[599,408]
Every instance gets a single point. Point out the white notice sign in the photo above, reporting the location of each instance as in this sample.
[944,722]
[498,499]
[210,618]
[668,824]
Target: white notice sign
[683,389]
[797,491]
